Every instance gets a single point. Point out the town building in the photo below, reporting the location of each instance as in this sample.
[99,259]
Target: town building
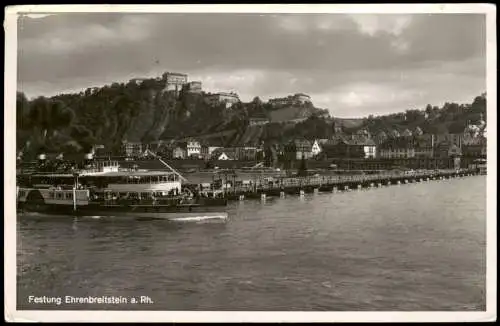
[193,148]
[474,147]
[155,146]
[239,153]
[166,151]
[244,153]
[227,98]
[350,147]
[447,150]
[179,152]
[363,133]
[475,129]
[397,148]
[132,149]
[296,99]
[406,133]
[193,87]
[204,152]
[380,137]
[174,81]
[424,146]
[211,149]
[449,138]
[394,133]
[223,154]
[298,149]
[322,141]
[338,128]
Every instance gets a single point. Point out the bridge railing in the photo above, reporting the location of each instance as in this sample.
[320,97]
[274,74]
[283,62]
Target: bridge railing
[317,181]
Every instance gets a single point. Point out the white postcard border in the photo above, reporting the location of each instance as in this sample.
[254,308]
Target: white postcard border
[11,312]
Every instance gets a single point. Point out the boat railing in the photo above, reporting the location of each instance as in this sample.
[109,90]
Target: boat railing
[175,200]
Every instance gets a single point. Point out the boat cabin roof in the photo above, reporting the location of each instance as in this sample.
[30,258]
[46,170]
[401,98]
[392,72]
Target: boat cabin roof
[107,174]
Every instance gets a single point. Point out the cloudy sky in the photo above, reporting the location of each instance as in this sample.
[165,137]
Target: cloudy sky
[353,65]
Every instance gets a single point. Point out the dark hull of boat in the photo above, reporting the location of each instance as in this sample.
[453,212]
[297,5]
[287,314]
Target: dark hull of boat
[140,212]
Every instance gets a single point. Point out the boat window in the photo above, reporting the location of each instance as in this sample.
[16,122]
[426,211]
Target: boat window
[69,195]
[145,195]
[59,195]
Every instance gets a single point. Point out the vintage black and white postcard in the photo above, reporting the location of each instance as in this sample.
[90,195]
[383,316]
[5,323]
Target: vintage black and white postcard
[279,163]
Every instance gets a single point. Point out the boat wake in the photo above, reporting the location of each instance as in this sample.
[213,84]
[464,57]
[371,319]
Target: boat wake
[210,218]
[222,217]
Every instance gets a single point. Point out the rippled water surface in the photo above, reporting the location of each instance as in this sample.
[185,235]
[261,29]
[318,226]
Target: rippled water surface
[409,247]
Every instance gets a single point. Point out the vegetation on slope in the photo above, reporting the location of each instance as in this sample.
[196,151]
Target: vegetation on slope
[145,112]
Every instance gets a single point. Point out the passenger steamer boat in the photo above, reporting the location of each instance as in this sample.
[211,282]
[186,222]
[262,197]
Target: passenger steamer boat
[106,190]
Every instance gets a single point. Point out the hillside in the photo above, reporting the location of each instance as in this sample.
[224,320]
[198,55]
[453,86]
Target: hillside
[451,118]
[145,112]
[134,112]
[108,115]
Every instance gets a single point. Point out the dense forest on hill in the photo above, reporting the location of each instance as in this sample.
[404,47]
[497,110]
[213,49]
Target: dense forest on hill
[108,115]
[144,112]
[450,118]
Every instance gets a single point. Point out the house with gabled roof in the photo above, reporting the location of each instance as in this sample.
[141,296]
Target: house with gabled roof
[355,146]
[223,154]
[397,148]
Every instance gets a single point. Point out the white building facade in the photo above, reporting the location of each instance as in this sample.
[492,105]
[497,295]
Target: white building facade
[193,148]
[175,81]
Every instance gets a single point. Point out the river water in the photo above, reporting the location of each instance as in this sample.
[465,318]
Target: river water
[407,247]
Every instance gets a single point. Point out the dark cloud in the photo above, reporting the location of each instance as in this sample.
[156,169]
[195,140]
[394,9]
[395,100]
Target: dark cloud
[342,59]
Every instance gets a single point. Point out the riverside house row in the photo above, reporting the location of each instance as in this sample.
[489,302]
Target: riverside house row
[352,152]
[356,146]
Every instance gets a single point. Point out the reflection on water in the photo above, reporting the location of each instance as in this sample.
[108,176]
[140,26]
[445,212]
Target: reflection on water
[409,247]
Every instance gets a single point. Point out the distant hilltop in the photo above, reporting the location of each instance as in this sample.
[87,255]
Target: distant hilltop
[173,107]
